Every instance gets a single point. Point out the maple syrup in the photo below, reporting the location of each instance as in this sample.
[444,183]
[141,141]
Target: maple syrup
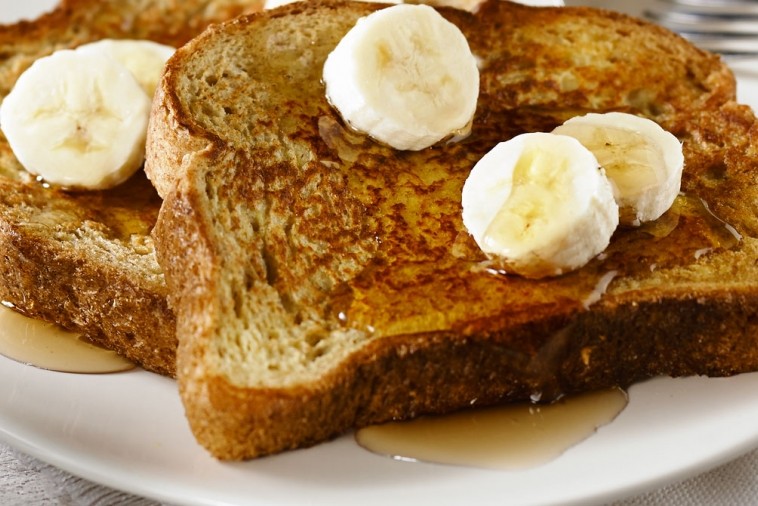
[48,346]
[509,437]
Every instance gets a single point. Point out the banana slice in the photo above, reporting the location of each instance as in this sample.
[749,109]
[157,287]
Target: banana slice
[144,59]
[540,205]
[473,5]
[643,161]
[77,120]
[273,4]
[405,76]
[542,3]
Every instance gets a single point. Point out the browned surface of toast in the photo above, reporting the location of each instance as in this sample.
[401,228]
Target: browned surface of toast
[323,281]
[85,260]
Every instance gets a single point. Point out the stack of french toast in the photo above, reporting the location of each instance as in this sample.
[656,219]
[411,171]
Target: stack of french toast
[300,278]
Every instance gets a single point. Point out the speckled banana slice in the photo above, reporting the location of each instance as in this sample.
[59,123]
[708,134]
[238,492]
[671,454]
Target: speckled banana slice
[273,4]
[540,205]
[541,3]
[643,161]
[145,59]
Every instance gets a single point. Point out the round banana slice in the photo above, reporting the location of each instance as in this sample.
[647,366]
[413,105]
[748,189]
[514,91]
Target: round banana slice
[77,120]
[273,4]
[145,59]
[540,205]
[473,5]
[405,76]
[643,161]
[542,3]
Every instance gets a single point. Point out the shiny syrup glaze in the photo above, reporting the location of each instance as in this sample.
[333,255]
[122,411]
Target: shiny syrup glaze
[511,437]
[50,347]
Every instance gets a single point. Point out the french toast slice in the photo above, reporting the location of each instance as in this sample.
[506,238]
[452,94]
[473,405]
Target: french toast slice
[323,281]
[85,260]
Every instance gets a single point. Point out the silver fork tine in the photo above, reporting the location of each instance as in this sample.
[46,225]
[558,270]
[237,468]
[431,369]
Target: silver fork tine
[697,23]
[729,27]
[730,48]
[716,7]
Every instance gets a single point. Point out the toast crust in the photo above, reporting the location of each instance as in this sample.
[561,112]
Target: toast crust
[85,260]
[324,282]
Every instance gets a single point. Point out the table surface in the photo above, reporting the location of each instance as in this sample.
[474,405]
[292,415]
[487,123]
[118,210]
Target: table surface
[30,482]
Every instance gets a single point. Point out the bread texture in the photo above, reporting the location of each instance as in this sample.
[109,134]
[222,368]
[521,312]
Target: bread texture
[323,281]
[85,260]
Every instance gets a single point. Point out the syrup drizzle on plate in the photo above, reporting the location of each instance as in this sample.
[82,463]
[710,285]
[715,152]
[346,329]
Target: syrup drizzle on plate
[48,346]
[509,437]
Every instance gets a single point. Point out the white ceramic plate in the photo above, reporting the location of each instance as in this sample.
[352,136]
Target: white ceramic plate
[128,431]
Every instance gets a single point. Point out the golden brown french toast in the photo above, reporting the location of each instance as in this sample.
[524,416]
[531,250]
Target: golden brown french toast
[85,260]
[323,281]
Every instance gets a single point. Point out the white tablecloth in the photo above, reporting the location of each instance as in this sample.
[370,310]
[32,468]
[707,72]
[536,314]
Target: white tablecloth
[25,481]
